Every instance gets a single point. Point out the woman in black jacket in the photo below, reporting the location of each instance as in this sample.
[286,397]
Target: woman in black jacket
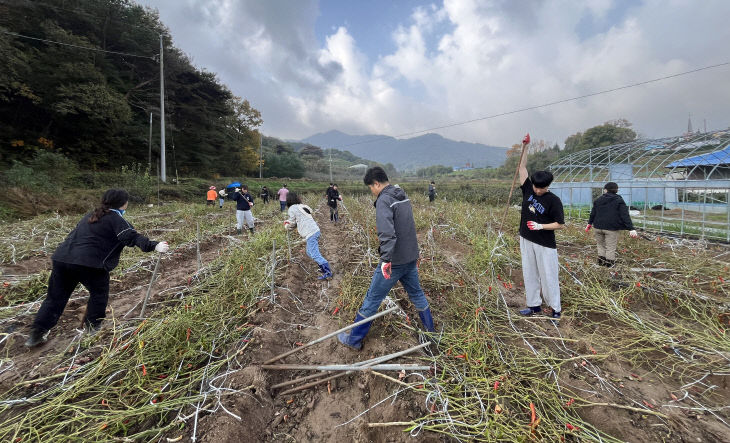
[87,256]
[609,215]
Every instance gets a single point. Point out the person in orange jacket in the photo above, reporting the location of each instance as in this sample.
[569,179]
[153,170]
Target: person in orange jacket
[211,196]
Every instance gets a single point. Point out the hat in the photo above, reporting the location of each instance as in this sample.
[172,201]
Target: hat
[212,187]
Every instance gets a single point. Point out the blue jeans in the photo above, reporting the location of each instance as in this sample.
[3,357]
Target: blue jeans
[283,205]
[313,249]
[407,274]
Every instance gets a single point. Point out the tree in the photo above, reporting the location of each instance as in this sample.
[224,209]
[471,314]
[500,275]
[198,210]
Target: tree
[610,133]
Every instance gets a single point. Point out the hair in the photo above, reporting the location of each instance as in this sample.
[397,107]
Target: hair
[334,185]
[541,179]
[284,185]
[433,182]
[112,199]
[292,199]
[611,187]
[331,184]
[244,187]
[375,174]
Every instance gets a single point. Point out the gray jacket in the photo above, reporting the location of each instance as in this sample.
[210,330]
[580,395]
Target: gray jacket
[396,227]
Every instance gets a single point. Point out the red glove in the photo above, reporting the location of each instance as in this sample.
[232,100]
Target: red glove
[533,226]
[526,140]
[385,269]
[588,227]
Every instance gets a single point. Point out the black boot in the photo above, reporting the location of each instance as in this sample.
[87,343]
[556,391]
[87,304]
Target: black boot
[37,338]
[601,260]
[238,231]
[610,263]
[251,229]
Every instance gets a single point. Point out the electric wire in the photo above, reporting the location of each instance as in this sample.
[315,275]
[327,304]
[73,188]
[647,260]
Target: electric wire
[154,58]
[544,105]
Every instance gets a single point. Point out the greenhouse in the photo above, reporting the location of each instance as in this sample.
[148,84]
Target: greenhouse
[678,185]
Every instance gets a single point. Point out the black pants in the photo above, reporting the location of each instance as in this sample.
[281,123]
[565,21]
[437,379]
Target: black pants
[64,279]
[265,198]
[334,213]
[431,197]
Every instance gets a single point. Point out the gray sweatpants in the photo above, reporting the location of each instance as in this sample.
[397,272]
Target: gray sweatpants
[244,217]
[606,241]
[540,272]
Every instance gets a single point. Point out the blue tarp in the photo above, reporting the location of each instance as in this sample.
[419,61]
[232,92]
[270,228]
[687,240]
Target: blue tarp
[721,157]
[234,185]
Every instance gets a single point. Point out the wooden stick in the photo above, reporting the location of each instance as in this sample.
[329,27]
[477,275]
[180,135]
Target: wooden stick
[370,362]
[387,367]
[330,335]
[514,181]
[392,423]
[149,288]
[630,408]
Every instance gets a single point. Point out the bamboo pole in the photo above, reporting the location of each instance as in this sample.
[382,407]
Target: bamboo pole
[386,367]
[330,335]
[525,143]
[370,362]
[149,288]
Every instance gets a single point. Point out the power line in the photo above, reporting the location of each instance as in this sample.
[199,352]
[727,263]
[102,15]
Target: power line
[544,105]
[78,46]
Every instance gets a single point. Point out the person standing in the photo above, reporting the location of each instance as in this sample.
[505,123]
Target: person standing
[431,191]
[282,193]
[609,215]
[542,214]
[265,194]
[211,196]
[244,203]
[86,256]
[300,217]
[221,198]
[399,254]
[333,196]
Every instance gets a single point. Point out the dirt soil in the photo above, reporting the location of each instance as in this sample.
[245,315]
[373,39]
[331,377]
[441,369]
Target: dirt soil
[302,312]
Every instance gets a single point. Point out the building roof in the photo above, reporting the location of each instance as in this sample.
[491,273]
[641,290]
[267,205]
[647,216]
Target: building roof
[721,157]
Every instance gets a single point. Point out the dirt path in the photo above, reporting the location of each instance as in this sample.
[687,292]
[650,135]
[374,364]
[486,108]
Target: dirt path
[303,311]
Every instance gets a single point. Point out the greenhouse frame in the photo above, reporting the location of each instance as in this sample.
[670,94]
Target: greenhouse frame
[676,185]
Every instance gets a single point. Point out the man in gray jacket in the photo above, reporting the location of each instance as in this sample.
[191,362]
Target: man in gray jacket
[398,256]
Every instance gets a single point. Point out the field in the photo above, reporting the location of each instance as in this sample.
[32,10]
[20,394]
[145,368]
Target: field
[641,354]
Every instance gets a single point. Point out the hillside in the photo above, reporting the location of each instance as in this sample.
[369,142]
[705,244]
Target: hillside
[412,153]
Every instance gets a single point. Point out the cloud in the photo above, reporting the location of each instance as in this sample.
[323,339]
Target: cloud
[465,59]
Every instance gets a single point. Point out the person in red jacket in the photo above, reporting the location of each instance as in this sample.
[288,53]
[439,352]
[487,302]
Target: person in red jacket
[87,256]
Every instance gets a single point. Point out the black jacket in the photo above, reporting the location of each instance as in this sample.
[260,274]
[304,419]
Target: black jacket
[243,200]
[333,196]
[610,212]
[396,227]
[98,245]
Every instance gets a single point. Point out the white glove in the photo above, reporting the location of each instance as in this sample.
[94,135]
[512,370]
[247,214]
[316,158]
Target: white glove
[222,193]
[237,190]
[288,225]
[533,226]
[162,247]
[633,234]
[385,268]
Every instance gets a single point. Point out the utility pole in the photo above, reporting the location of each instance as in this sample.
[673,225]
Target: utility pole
[163,175]
[261,155]
[331,181]
[149,148]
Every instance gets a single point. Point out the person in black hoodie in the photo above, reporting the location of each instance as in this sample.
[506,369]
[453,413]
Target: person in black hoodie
[399,254]
[609,215]
[333,196]
[244,203]
[87,256]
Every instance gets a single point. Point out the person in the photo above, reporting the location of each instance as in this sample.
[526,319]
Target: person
[281,193]
[399,254]
[542,214]
[333,196]
[265,194]
[221,198]
[87,256]
[244,203]
[431,191]
[211,196]
[300,217]
[609,215]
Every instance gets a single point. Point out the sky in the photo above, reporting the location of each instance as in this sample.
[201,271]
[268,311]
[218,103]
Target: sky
[399,67]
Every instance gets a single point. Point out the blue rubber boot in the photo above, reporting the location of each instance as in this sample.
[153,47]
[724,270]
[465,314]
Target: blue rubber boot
[354,337]
[427,320]
[326,271]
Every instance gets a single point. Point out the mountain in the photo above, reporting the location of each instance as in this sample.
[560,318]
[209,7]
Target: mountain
[412,153]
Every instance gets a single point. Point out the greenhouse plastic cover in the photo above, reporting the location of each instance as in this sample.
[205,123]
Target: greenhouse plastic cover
[720,157]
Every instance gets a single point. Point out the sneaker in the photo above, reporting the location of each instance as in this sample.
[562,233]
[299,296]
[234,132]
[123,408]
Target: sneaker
[37,338]
[91,329]
[530,310]
[555,314]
